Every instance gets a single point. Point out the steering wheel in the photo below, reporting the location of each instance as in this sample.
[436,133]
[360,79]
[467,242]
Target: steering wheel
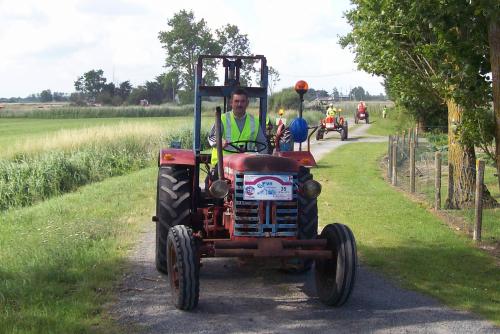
[242,146]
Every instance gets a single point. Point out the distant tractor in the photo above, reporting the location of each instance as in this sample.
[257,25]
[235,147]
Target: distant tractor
[261,206]
[332,123]
[361,113]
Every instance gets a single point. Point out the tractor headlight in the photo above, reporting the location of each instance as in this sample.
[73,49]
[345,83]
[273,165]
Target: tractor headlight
[219,189]
[311,189]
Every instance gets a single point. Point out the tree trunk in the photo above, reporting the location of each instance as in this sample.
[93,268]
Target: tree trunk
[461,162]
[494,41]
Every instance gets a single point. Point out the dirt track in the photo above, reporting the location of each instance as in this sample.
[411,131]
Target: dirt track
[247,298]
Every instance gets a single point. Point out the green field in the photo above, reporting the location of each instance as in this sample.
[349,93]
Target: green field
[16,130]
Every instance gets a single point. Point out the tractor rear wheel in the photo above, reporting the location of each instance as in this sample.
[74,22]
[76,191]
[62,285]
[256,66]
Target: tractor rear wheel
[307,224]
[343,133]
[335,277]
[366,119]
[319,134]
[183,267]
[173,207]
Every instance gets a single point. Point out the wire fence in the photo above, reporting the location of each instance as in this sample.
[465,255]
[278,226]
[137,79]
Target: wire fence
[417,166]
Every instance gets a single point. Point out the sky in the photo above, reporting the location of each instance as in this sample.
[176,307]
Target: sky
[48,44]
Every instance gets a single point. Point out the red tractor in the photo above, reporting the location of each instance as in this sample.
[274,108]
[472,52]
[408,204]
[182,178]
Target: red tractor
[332,123]
[361,113]
[261,206]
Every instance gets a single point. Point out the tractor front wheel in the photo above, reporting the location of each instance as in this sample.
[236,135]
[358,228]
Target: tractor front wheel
[183,267]
[173,206]
[335,277]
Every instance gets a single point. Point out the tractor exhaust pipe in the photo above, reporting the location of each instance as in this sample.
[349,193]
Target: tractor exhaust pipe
[219,188]
[218,138]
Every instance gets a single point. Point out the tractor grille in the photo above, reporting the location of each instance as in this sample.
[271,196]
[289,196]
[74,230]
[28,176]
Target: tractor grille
[277,218]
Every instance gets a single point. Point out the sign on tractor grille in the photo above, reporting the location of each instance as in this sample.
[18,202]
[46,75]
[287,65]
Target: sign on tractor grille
[277,218]
[268,187]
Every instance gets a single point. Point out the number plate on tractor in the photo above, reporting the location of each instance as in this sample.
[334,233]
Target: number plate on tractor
[268,187]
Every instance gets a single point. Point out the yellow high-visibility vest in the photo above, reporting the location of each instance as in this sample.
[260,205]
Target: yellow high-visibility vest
[231,132]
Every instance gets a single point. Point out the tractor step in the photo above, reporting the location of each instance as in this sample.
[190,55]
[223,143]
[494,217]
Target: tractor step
[154,219]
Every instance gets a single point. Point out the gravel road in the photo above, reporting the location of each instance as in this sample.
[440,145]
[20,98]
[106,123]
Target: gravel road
[250,298]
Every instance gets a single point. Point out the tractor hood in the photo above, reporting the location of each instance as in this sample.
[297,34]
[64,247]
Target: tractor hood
[240,162]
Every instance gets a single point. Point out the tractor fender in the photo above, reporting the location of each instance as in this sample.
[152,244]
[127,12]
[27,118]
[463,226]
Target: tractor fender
[173,156]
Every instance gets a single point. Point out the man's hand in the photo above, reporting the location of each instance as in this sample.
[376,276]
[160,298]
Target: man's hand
[225,143]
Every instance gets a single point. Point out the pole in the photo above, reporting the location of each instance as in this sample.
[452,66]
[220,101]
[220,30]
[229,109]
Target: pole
[412,167]
[478,220]
[394,163]
[437,182]
[389,158]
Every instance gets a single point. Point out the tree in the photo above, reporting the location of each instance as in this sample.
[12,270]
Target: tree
[137,94]
[439,45]
[186,39]
[124,90]
[155,92]
[46,96]
[358,93]
[91,83]
[170,83]
[59,97]
[273,79]
[336,94]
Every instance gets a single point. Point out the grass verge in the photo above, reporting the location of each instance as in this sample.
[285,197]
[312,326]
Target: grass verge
[60,258]
[401,238]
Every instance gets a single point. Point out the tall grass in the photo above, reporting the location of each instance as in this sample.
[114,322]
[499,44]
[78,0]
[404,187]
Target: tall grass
[69,159]
[99,112]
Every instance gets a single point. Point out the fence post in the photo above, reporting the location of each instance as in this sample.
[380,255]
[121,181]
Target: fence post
[410,137]
[404,139]
[478,216]
[412,167]
[389,158]
[416,136]
[394,163]
[437,182]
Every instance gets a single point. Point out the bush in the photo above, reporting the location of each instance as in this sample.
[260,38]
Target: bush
[30,178]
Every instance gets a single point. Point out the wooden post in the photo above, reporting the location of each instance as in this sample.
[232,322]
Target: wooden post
[404,139]
[410,138]
[478,220]
[416,136]
[394,163]
[437,182]
[412,167]
[389,158]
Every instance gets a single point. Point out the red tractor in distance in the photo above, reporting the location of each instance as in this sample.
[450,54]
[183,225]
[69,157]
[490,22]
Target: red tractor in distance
[361,113]
[261,206]
[332,123]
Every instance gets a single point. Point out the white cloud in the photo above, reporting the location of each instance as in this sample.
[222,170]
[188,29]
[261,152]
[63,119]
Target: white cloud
[48,44]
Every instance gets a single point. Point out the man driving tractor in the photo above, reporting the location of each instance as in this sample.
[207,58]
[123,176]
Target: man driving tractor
[236,126]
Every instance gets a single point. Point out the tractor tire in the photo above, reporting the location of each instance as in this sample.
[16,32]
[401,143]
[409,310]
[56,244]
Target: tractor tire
[173,207]
[343,133]
[307,225]
[346,127]
[335,277]
[183,267]
[367,120]
[319,134]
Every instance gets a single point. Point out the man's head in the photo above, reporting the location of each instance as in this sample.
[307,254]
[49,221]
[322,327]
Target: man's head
[239,102]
